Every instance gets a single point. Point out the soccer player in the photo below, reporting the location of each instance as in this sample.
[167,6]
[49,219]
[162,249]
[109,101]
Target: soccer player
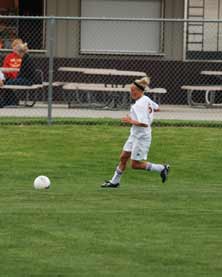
[137,146]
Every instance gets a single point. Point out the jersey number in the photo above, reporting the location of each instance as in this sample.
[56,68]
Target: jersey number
[150,110]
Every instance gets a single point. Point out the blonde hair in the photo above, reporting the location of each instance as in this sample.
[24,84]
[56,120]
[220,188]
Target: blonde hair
[21,48]
[143,83]
[16,42]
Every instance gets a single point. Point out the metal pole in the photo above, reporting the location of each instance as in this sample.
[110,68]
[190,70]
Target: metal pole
[51,61]
[218,27]
[206,20]
[185,30]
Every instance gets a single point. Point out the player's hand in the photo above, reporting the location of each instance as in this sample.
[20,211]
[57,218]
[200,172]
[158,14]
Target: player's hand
[127,119]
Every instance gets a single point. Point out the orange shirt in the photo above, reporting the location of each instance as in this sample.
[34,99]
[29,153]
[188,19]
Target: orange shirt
[12,60]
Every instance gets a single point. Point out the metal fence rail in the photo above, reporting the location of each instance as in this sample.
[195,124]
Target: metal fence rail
[84,67]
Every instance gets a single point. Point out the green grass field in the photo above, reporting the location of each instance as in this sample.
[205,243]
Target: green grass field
[143,228]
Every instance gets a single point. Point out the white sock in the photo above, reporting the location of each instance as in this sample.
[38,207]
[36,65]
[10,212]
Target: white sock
[154,167]
[117,176]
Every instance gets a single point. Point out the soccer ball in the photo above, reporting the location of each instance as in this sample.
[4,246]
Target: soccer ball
[41,182]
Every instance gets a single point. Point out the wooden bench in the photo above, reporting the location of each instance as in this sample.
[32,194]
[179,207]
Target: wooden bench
[102,71]
[90,89]
[156,93]
[20,90]
[54,84]
[209,92]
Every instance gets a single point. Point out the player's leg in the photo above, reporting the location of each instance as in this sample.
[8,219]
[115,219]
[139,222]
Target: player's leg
[162,169]
[140,151]
[124,157]
[115,180]
[146,166]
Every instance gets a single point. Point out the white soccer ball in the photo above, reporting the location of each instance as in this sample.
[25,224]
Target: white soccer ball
[41,182]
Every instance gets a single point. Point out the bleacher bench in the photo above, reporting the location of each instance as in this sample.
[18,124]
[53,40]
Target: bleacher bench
[92,88]
[73,91]
[209,97]
[156,93]
[23,90]
[54,84]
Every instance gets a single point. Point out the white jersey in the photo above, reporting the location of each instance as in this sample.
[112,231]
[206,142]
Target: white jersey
[142,111]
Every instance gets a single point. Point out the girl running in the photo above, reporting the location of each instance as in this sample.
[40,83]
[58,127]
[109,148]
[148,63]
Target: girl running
[137,146]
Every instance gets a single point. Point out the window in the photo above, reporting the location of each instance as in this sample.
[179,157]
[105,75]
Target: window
[116,36]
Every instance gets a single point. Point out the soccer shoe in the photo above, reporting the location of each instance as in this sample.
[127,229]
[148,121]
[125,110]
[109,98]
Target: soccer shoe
[164,173]
[108,184]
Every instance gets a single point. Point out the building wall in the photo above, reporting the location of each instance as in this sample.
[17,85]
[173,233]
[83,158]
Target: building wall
[174,31]
[67,32]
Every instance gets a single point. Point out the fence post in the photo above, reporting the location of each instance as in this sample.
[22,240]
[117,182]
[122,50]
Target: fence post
[51,63]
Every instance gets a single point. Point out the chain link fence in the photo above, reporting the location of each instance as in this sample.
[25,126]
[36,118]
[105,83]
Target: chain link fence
[82,68]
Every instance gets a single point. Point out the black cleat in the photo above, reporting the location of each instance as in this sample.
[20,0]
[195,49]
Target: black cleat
[164,173]
[108,184]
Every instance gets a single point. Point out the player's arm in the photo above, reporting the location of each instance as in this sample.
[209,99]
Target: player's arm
[129,120]
[156,107]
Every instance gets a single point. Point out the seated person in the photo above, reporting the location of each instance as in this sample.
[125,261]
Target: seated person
[13,60]
[2,79]
[27,74]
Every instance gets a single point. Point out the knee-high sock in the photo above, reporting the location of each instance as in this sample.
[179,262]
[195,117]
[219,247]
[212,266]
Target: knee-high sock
[117,176]
[154,167]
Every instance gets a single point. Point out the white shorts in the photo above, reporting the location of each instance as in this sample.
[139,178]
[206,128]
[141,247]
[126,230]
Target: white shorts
[139,148]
